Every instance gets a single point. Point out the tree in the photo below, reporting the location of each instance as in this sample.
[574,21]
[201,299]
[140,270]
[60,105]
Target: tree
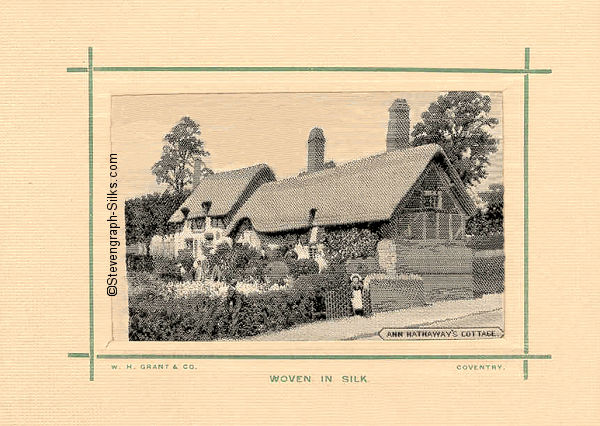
[149,215]
[459,123]
[489,221]
[182,146]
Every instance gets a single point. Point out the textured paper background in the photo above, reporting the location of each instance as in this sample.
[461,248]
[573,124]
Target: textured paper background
[44,252]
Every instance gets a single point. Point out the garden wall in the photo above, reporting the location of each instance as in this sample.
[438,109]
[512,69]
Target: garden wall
[446,268]
[448,287]
[393,292]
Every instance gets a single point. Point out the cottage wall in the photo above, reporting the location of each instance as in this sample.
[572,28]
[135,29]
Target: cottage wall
[189,237]
[446,269]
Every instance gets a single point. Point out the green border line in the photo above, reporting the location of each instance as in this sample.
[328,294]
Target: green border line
[317,69]
[526,215]
[526,207]
[323,357]
[91,201]
[78,355]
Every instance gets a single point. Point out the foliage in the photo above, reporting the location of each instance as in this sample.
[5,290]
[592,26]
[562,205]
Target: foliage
[286,241]
[274,253]
[344,243]
[140,282]
[486,242]
[276,269]
[363,267]
[167,268]
[146,283]
[139,262]
[203,317]
[149,215]
[185,259]
[236,262]
[298,267]
[182,146]
[487,222]
[488,275]
[459,123]
[493,195]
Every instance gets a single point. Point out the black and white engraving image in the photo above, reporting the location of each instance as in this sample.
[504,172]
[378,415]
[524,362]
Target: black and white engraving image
[312,216]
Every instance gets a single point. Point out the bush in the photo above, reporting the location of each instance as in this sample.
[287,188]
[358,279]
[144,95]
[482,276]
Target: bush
[167,268]
[139,262]
[201,317]
[487,222]
[185,258]
[237,262]
[274,253]
[286,241]
[486,242]
[298,267]
[276,270]
[343,243]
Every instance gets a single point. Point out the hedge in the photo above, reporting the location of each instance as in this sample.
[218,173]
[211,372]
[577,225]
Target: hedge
[139,262]
[301,267]
[486,242]
[488,275]
[207,318]
[201,317]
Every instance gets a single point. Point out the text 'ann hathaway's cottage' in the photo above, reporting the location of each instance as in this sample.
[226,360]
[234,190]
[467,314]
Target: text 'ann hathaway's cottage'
[409,195]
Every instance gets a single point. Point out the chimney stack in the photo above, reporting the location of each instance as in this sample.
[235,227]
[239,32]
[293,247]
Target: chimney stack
[398,126]
[316,150]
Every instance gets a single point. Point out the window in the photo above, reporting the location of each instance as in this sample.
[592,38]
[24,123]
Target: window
[189,244]
[432,225]
[206,206]
[218,222]
[432,199]
[312,251]
[198,224]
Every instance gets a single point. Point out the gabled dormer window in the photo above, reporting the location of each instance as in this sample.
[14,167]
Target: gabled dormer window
[206,207]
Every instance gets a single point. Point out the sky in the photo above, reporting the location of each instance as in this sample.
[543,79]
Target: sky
[244,129]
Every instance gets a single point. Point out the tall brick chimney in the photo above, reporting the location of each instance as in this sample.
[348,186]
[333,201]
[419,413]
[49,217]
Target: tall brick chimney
[398,126]
[316,150]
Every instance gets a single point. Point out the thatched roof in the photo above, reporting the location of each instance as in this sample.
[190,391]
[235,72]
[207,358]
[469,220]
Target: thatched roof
[225,191]
[365,190]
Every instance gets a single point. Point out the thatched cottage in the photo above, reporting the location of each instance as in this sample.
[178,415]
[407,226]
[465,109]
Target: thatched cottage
[205,214]
[405,194]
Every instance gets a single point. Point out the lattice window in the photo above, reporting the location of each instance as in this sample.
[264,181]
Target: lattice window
[432,199]
[312,252]
[218,222]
